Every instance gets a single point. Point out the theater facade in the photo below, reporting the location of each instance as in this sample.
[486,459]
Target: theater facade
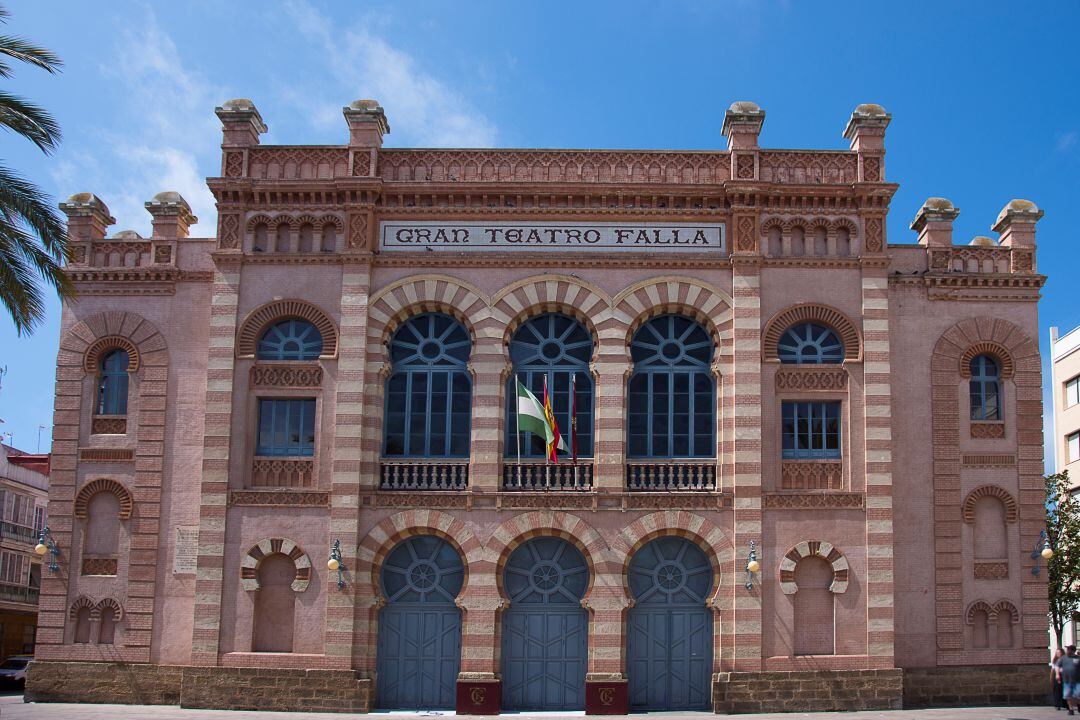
[806,463]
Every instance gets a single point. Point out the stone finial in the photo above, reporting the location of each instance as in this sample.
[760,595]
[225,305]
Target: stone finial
[241,123]
[983,241]
[742,125]
[865,128]
[172,216]
[367,123]
[934,222]
[1015,223]
[88,217]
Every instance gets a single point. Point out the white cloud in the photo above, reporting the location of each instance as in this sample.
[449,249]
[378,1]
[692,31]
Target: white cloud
[158,136]
[1067,141]
[422,109]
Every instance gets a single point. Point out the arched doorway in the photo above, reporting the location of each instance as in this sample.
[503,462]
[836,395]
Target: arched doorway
[419,644]
[669,634]
[545,630]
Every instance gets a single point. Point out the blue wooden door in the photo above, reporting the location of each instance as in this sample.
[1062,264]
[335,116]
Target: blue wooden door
[419,644]
[545,630]
[669,638]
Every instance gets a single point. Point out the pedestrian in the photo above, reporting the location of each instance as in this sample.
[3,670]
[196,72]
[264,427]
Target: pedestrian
[1055,677]
[1070,678]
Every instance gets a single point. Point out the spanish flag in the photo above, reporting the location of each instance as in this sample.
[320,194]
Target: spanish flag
[556,441]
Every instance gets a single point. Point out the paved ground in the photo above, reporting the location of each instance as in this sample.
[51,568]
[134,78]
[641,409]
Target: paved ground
[12,708]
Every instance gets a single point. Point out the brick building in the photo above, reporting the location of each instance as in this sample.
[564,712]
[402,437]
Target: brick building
[805,455]
[24,491]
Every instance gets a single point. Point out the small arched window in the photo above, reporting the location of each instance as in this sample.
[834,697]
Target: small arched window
[113,383]
[275,605]
[292,339]
[429,392]
[82,625]
[980,629]
[814,608]
[555,348]
[990,532]
[809,344]
[107,626]
[671,396]
[985,386]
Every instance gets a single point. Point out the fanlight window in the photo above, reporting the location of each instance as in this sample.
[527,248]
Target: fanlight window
[557,348]
[672,395]
[113,384]
[810,344]
[292,339]
[985,386]
[429,392]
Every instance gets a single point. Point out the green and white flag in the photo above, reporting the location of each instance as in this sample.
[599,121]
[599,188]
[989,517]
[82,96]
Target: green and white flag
[530,414]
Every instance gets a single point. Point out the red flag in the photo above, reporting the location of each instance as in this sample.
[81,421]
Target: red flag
[556,439]
[573,417]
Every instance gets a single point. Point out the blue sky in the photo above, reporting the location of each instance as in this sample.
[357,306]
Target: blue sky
[985,100]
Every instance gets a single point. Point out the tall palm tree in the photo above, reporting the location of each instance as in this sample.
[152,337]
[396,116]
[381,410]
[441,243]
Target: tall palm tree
[33,240]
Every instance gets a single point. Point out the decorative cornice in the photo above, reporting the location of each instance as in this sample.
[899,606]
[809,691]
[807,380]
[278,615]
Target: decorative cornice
[813,501]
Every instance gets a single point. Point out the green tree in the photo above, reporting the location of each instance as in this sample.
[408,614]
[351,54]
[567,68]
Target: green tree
[33,240]
[1063,535]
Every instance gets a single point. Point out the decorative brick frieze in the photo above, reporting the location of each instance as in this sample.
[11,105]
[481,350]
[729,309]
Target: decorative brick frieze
[106,454]
[98,566]
[806,168]
[282,472]
[987,460]
[279,498]
[991,570]
[108,425]
[983,430]
[286,375]
[814,501]
[812,475]
[811,377]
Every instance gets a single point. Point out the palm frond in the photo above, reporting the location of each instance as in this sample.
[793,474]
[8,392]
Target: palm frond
[29,120]
[22,202]
[22,50]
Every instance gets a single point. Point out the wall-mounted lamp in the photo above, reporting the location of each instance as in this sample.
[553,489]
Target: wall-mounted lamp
[752,566]
[334,563]
[1042,550]
[46,544]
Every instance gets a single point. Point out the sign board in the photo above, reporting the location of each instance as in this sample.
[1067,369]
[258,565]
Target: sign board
[604,236]
[186,550]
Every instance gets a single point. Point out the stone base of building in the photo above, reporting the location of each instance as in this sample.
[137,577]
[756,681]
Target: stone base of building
[977,685]
[96,682]
[222,688]
[808,691]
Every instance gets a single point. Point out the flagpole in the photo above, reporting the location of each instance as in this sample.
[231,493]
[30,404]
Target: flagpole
[517,429]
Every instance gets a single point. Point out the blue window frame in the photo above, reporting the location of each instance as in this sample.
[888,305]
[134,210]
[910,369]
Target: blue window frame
[292,339]
[558,348]
[811,429]
[809,344]
[429,392]
[113,384]
[671,395]
[286,427]
[985,386]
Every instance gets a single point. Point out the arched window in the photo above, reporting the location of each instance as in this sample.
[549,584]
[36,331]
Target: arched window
[102,526]
[113,383]
[671,397]
[985,386]
[82,625]
[429,392]
[284,238]
[557,348]
[990,532]
[329,238]
[107,627]
[307,237]
[275,605]
[261,242]
[1004,639]
[292,339]
[809,344]
[980,629]
[813,607]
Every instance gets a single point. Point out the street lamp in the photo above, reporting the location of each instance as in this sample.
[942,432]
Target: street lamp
[1042,550]
[334,563]
[46,544]
[752,566]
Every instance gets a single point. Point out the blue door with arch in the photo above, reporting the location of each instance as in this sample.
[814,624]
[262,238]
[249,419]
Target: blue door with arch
[669,638]
[545,630]
[419,644]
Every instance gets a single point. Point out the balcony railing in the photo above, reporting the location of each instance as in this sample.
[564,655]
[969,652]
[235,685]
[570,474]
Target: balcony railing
[670,475]
[11,531]
[540,475]
[440,474]
[18,594]
[282,472]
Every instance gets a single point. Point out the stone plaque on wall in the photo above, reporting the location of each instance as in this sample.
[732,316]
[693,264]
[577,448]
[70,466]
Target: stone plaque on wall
[502,236]
[186,550]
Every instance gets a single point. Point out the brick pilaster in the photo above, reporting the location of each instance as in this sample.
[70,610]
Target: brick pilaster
[206,634]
